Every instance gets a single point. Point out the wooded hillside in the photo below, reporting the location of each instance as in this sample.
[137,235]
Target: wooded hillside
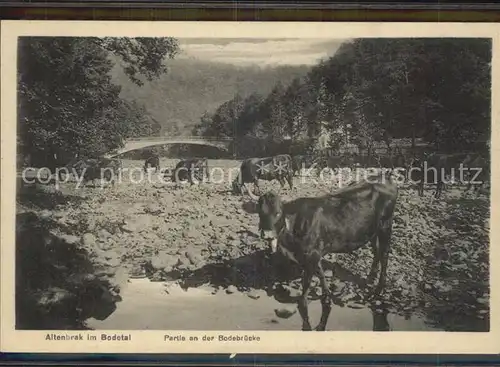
[372,90]
[178,99]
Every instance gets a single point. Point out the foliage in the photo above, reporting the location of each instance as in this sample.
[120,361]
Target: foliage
[67,101]
[192,87]
[377,90]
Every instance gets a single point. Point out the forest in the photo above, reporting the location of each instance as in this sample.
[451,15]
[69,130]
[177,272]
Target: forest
[67,101]
[372,90]
[87,95]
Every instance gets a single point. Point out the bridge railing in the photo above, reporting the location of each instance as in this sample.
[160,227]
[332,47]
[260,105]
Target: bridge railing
[177,138]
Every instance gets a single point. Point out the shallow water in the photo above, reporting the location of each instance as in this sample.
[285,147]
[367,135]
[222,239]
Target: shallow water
[147,306]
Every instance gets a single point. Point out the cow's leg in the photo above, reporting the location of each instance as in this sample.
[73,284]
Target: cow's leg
[376,260]
[261,230]
[469,185]
[384,244]
[244,187]
[271,275]
[256,187]
[326,302]
[190,178]
[477,188]
[439,189]
[302,302]
[282,182]
[421,187]
[289,178]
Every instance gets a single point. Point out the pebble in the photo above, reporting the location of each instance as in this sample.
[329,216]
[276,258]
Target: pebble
[70,239]
[253,295]
[355,306]
[89,240]
[285,312]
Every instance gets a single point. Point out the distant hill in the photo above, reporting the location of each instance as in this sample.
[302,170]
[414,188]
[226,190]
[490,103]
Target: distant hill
[191,87]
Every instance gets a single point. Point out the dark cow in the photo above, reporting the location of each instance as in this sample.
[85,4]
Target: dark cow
[190,169]
[435,167]
[97,168]
[152,161]
[478,171]
[341,222]
[252,170]
[302,161]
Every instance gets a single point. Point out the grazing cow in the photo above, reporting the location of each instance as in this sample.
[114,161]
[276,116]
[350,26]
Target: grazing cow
[152,161]
[187,170]
[435,168]
[278,168]
[98,168]
[302,161]
[341,222]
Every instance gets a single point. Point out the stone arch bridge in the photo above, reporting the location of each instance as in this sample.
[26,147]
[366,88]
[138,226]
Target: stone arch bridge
[140,143]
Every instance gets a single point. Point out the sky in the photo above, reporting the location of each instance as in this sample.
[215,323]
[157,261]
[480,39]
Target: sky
[261,52]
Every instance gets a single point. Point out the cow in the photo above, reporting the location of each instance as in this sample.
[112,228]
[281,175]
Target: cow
[187,170]
[342,222]
[435,167]
[252,170]
[152,161]
[478,171]
[97,168]
[302,161]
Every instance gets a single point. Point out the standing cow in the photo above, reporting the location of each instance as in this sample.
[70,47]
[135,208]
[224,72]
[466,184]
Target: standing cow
[190,169]
[97,168]
[478,171]
[342,222]
[435,167]
[302,161]
[252,170]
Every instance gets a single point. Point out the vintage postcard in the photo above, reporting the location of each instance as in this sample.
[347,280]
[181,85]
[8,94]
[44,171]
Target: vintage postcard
[206,187]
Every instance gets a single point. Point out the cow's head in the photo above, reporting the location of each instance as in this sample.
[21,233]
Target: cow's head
[272,220]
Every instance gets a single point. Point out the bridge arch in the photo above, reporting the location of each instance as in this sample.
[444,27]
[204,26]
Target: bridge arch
[141,143]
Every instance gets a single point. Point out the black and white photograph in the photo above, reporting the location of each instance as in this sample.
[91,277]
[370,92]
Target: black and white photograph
[253,184]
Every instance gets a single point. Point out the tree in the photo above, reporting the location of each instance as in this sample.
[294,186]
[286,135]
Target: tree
[67,103]
[250,116]
[224,121]
[384,89]
[275,122]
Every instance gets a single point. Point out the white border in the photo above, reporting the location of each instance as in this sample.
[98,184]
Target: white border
[271,341]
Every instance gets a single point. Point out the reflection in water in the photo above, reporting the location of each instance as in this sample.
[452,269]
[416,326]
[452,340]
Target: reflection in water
[379,312]
[256,271]
[380,322]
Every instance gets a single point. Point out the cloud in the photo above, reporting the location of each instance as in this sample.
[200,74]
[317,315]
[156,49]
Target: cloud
[262,52]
